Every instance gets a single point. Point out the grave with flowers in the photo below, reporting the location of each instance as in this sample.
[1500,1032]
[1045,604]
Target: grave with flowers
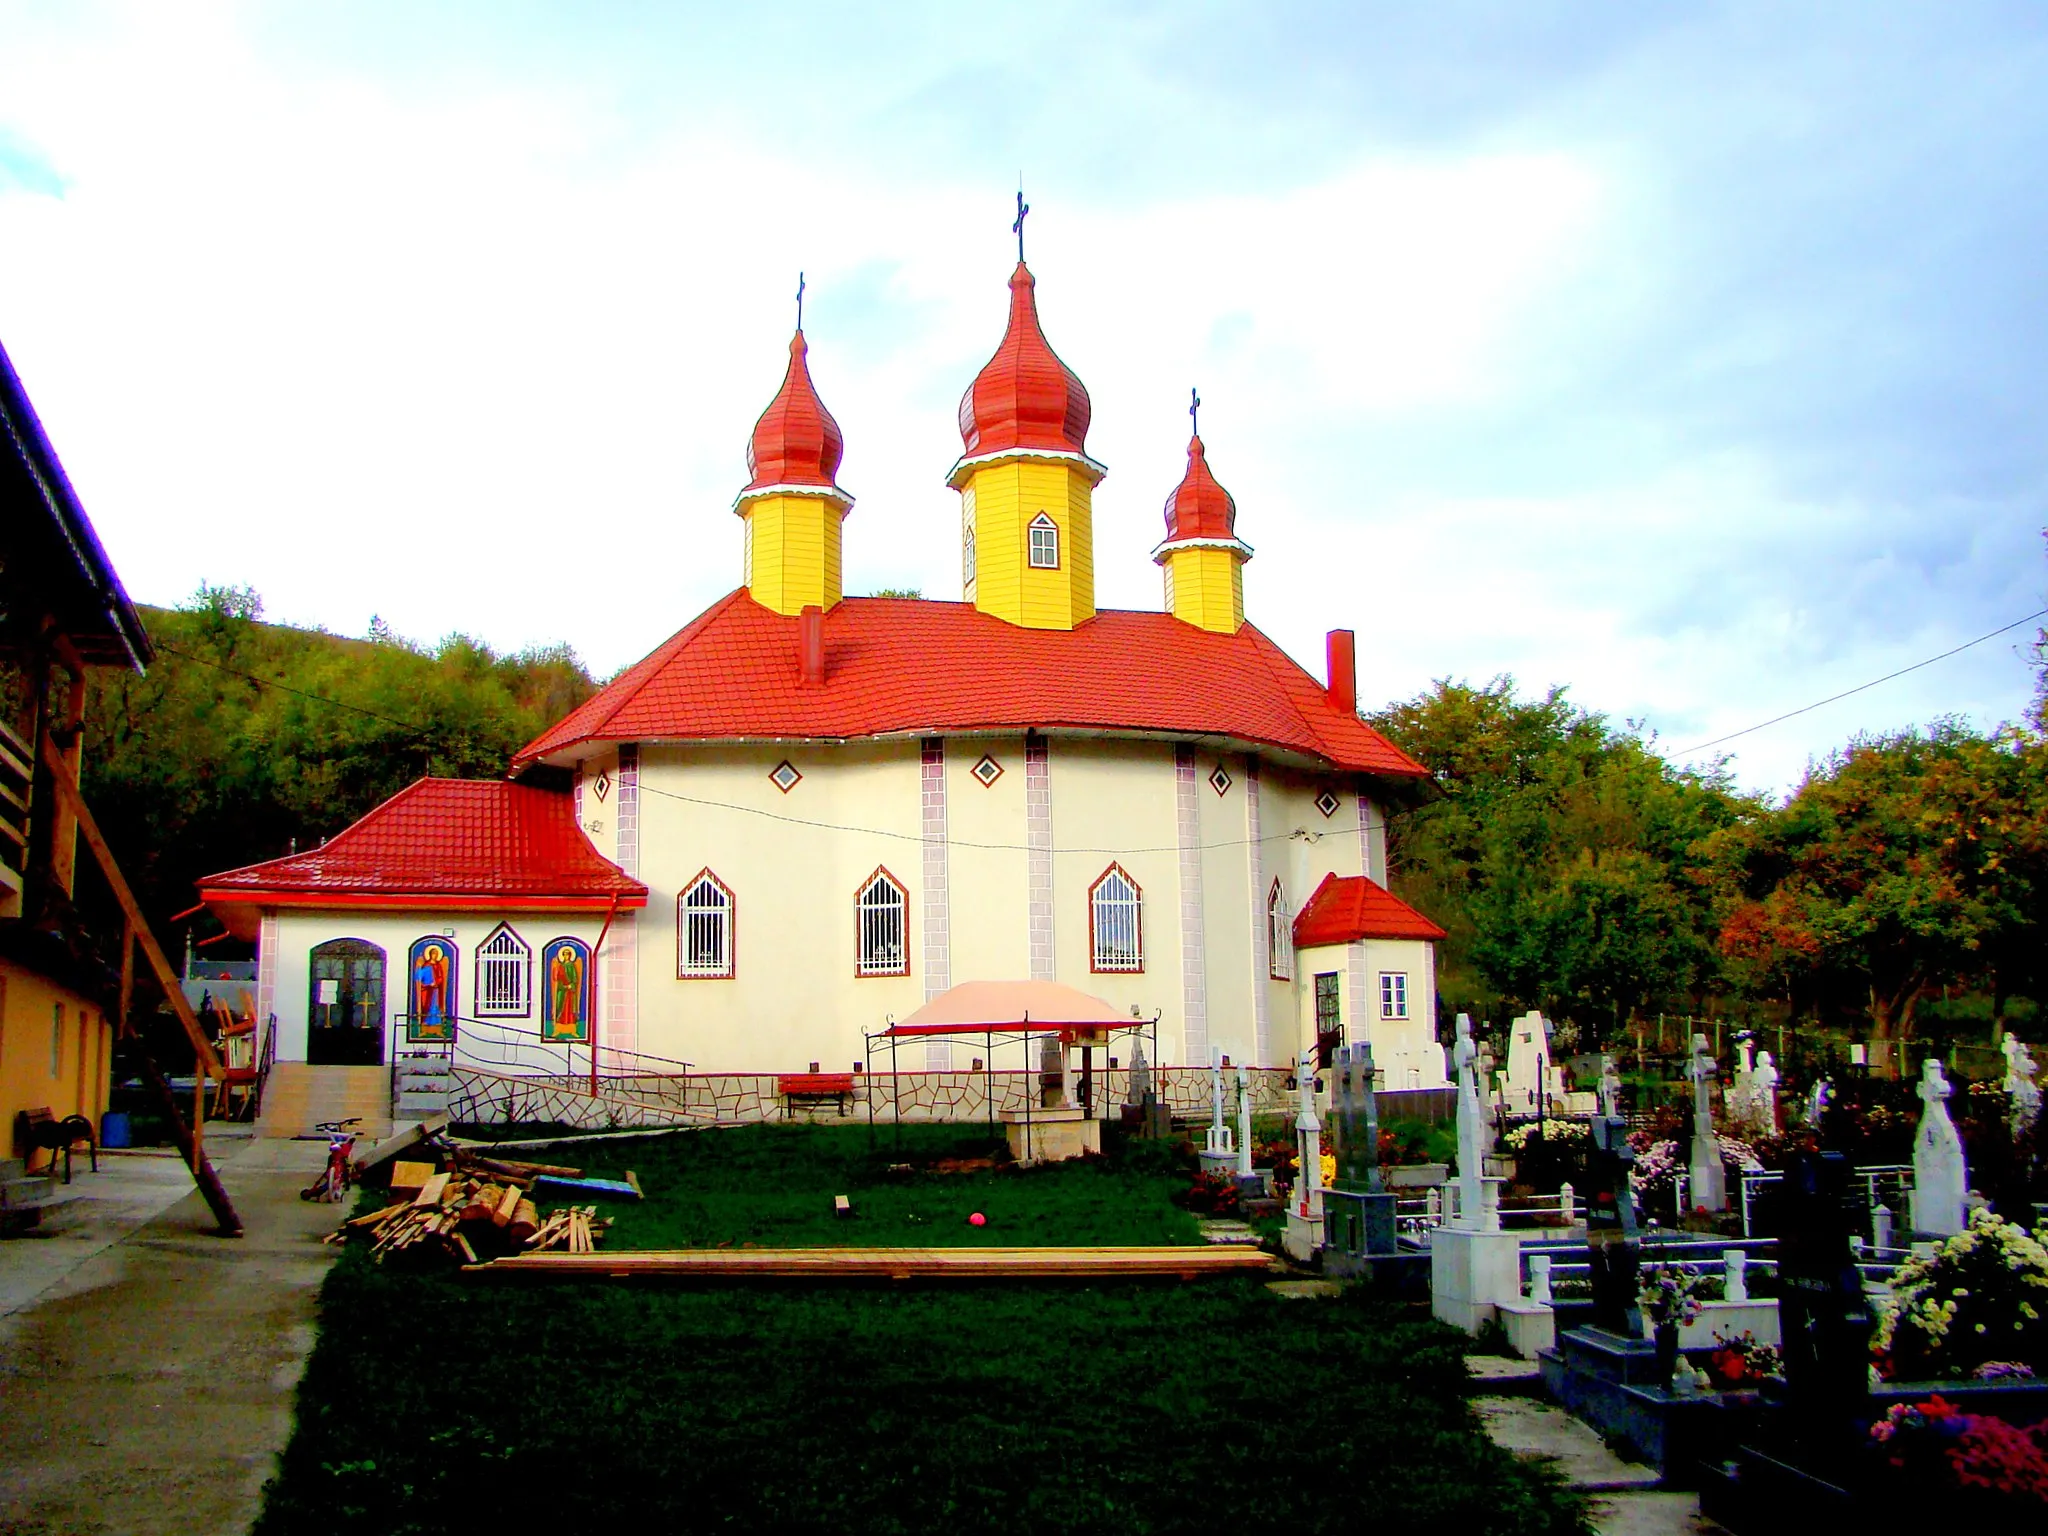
[1923,1401]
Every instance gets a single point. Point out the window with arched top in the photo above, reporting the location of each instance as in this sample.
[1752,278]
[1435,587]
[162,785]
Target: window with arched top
[1045,543]
[504,976]
[1279,935]
[705,922]
[881,927]
[1116,923]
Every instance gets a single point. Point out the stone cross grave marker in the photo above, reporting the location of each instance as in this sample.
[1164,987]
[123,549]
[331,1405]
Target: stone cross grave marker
[1614,1247]
[1822,1311]
[1709,1184]
[1940,1178]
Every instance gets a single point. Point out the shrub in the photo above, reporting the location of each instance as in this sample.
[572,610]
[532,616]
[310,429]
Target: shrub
[1982,1296]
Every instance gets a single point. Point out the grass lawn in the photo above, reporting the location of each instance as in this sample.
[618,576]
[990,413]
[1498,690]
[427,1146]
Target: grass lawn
[434,1403]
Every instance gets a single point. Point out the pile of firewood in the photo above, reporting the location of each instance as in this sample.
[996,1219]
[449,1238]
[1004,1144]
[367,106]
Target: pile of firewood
[476,1207]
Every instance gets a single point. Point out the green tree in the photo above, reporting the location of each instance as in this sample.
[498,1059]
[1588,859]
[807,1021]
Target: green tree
[247,739]
[1902,862]
[1567,861]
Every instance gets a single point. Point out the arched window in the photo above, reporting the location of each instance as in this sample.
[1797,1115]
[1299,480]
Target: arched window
[704,929]
[504,976]
[431,983]
[565,991]
[881,927]
[1045,543]
[1116,923]
[1279,935]
[345,1009]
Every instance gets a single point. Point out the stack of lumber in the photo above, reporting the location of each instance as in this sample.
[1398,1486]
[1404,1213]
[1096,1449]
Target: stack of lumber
[474,1208]
[1178,1263]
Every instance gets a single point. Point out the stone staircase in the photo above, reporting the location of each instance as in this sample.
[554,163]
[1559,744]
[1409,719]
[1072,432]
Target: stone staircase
[24,1196]
[297,1097]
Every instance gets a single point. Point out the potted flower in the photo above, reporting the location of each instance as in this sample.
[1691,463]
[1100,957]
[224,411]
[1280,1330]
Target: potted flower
[1670,1296]
[1981,1297]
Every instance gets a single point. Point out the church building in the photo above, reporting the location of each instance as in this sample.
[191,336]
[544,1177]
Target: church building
[806,814]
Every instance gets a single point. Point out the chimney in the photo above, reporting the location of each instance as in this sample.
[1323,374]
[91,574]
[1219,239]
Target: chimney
[810,644]
[1343,655]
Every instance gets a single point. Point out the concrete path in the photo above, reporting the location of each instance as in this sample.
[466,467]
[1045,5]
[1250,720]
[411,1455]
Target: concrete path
[148,1386]
[1628,1500]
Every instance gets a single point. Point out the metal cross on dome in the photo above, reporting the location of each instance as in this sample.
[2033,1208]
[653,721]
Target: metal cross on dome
[1017,228]
[1194,406]
[799,301]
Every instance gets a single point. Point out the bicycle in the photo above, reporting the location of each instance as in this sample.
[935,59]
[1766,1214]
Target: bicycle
[339,1174]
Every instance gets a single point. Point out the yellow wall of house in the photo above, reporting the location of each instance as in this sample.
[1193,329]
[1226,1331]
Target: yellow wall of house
[1007,496]
[54,1050]
[1205,587]
[794,554]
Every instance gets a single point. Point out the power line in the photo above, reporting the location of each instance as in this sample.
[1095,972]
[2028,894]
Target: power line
[271,682]
[1861,687]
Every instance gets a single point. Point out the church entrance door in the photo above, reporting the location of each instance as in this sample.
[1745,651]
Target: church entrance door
[345,1007]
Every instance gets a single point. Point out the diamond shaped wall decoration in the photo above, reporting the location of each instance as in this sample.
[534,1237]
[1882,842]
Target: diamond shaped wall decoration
[988,770]
[785,777]
[603,786]
[1327,803]
[1219,780]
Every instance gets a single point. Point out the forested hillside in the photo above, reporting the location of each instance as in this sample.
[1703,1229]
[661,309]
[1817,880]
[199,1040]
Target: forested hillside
[247,739]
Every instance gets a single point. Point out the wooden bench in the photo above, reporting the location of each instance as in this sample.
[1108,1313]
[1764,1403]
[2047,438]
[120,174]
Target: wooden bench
[816,1088]
[39,1130]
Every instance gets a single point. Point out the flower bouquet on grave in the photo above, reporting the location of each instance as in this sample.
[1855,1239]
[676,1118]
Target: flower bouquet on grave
[1981,1298]
[1742,1362]
[1671,1293]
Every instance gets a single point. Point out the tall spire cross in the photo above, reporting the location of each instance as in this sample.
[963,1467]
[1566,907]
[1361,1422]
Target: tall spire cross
[1194,405]
[1017,228]
[799,301]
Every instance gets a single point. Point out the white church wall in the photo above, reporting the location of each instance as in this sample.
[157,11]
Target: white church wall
[1113,802]
[1301,847]
[1226,894]
[1405,1051]
[597,815]
[298,932]
[794,863]
[990,894]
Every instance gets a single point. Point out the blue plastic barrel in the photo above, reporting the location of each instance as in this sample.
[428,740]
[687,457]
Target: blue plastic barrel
[114,1128]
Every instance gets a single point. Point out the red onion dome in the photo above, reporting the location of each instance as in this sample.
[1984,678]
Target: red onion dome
[796,441]
[1026,397]
[1200,508]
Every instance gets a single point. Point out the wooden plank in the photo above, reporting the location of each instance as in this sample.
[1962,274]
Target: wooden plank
[410,1177]
[898,1263]
[430,1192]
[174,993]
[402,1141]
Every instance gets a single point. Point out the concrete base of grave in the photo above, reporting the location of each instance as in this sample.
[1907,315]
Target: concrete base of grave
[1611,1382]
[1531,1326]
[1051,1135]
[1358,1227]
[1219,1165]
[1470,1273]
[1731,1320]
[1303,1235]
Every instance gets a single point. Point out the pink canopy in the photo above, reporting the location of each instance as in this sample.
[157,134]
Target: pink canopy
[974,1007]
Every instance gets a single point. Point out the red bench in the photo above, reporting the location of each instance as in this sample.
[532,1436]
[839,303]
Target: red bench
[816,1087]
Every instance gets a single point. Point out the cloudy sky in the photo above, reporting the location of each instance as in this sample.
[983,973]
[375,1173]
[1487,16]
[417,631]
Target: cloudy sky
[1691,356]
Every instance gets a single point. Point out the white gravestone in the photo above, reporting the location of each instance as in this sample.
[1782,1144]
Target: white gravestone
[1305,1210]
[1709,1183]
[1220,1143]
[2020,1086]
[1763,1095]
[1474,1267]
[1940,1178]
[1610,1088]
[1534,1080]
[1244,1124]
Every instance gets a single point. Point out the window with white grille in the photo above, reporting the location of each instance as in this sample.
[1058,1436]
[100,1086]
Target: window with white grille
[880,927]
[1116,923]
[1393,994]
[504,976]
[1045,544]
[704,929]
[1279,935]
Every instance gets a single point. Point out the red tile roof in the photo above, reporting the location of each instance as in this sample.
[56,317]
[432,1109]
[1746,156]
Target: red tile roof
[1026,397]
[457,841]
[897,666]
[796,441]
[1347,907]
[1199,508]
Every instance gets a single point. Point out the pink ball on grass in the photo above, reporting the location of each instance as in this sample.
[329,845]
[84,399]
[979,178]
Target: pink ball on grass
[977,1220]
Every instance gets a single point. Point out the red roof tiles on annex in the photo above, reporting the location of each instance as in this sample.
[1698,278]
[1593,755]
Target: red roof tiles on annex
[908,665]
[1347,907]
[452,838]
